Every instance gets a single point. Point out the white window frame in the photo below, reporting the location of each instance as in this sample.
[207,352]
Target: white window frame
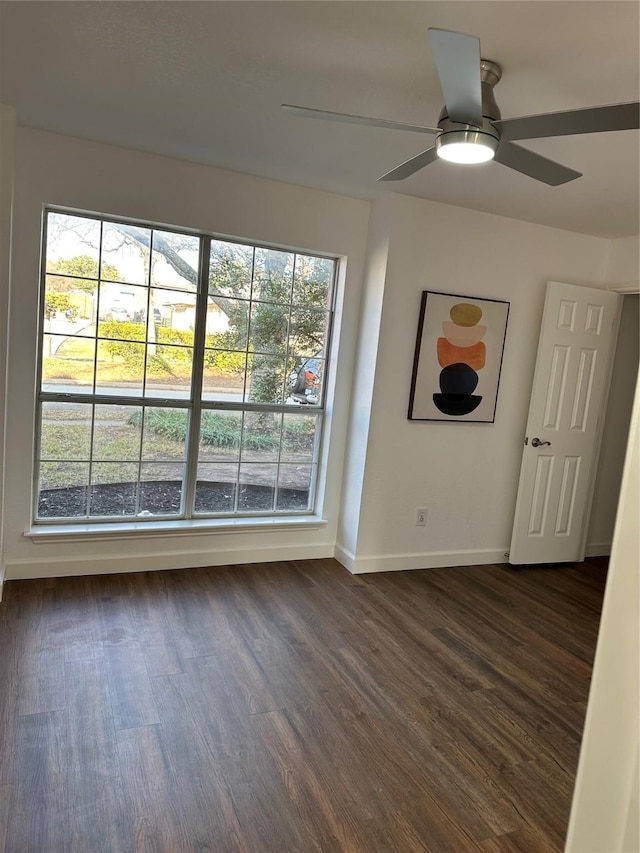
[187,519]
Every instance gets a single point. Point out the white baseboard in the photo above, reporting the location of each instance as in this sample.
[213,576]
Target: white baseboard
[428,560]
[23,569]
[345,557]
[598,549]
[57,567]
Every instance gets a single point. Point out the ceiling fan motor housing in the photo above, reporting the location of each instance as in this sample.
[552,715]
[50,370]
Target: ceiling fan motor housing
[487,134]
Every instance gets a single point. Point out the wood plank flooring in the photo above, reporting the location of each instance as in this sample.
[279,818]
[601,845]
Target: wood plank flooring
[293,707]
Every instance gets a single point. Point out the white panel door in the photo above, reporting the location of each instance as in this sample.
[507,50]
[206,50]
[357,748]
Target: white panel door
[569,393]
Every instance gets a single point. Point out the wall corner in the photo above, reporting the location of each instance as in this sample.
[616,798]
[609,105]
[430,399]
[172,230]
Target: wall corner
[367,336]
[7,157]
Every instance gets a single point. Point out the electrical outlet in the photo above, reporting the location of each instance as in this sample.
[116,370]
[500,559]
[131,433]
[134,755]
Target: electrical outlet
[421,517]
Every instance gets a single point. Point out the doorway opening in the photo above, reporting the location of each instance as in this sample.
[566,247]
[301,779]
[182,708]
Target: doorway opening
[616,429]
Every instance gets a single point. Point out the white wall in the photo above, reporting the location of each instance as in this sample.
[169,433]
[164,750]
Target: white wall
[465,474]
[7,139]
[604,814]
[91,176]
[623,263]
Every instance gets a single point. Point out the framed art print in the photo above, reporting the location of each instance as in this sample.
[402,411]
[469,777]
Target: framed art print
[458,359]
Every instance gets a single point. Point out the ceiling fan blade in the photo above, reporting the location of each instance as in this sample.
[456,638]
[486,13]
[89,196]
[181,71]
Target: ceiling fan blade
[591,120]
[534,165]
[457,58]
[410,166]
[347,118]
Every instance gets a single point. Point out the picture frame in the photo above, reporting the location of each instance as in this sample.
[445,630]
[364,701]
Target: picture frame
[458,358]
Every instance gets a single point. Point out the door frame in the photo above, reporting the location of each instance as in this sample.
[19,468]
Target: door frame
[630,288]
[604,807]
[627,288]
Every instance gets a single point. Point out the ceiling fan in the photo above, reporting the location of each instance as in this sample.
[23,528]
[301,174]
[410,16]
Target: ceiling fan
[470,128]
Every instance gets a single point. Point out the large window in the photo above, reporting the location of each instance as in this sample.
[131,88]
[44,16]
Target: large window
[181,375]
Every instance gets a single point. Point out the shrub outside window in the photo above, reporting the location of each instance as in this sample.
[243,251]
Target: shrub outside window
[181,375]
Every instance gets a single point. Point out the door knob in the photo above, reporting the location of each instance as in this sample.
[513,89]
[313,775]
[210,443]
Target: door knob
[535,442]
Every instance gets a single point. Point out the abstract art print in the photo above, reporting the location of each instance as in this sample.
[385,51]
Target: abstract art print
[456,369]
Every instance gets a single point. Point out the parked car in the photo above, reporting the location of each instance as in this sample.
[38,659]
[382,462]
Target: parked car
[116,314]
[141,315]
[305,381]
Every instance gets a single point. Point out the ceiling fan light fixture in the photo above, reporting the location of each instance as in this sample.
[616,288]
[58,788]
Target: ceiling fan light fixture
[467,147]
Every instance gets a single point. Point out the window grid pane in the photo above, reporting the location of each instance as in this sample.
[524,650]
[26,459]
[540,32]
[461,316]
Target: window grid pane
[120,318]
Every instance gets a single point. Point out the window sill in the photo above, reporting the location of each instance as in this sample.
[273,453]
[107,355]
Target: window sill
[46,533]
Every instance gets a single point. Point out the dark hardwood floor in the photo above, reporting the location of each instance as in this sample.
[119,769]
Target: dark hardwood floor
[294,707]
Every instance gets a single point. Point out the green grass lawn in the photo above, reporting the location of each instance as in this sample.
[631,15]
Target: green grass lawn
[66,431]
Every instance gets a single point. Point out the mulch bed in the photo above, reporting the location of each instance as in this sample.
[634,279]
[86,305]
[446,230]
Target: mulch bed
[162,497]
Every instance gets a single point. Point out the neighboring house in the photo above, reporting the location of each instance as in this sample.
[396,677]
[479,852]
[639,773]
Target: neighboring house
[183,317]
[123,303]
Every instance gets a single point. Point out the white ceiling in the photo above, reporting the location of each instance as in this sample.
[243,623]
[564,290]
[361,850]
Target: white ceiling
[204,81]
